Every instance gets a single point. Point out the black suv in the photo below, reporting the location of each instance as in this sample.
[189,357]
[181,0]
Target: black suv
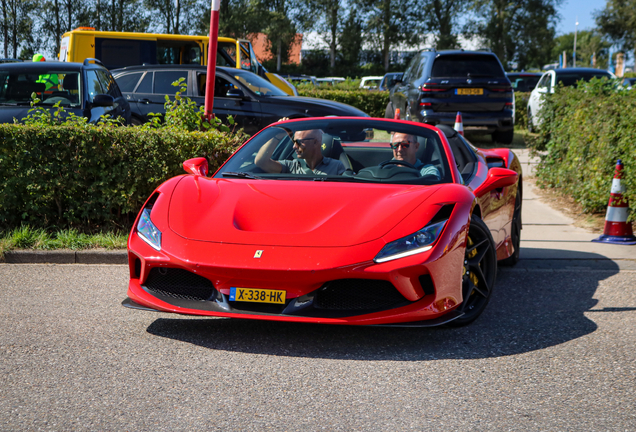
[85,89]
[438,84]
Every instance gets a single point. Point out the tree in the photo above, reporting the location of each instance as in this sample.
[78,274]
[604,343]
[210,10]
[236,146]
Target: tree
[60,16]
[618,22]
[176,16]
[280,28]
[120,15]
[519,31]
[391,22]
[442,19]
[588,43]
[16,24]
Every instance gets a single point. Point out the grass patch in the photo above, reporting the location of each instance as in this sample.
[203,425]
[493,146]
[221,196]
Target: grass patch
[26,237]
[485,141]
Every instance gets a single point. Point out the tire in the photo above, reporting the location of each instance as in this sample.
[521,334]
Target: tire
[480,272]
[531,127]
[504,137]
[388,113]
[134,121]
[515,234]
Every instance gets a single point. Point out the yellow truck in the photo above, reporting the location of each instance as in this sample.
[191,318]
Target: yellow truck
[121,49]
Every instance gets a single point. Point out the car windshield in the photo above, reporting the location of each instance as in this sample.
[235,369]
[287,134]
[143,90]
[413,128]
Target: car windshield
[257,84]
[17,88]
[343,150]
[569,79]
[464,65]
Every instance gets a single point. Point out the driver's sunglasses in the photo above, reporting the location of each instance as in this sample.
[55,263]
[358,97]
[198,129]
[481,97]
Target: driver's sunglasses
[304,141]
[404,144]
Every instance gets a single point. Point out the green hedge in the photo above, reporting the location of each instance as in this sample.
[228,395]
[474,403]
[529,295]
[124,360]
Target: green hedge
[371,102]
[585,131]
[521,110]
[93,177]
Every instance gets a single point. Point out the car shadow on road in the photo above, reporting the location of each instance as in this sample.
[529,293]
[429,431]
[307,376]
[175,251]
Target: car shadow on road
[534,306]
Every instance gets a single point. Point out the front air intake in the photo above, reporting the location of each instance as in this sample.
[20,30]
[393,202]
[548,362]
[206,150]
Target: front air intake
[358,294]
[179,284]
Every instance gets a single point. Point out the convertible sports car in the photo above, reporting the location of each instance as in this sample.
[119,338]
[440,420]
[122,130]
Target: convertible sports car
[362,237]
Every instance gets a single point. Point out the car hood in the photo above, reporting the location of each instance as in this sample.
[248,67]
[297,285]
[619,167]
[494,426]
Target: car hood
[316,107]
[289,212]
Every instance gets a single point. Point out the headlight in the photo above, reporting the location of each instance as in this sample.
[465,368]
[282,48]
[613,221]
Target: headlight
[148,231]
[418,242]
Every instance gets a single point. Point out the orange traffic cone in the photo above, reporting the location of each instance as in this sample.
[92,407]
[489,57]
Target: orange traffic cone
[459,124]
[617,229]
[396,116]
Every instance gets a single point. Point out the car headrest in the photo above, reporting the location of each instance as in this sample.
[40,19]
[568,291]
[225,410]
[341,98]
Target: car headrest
[70,82]
[331,146]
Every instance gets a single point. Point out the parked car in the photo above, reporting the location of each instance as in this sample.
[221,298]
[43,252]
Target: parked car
[389,80]
[300,79]
[628,83]
[378,243]
[370,82]
[251,100]
[85,89]
[330,80]
[438,84]
[548,82]
[523,81]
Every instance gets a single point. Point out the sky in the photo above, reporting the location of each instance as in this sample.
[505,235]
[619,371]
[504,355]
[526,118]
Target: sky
[584,9]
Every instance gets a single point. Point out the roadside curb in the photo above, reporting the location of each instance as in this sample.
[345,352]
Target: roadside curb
[90,256]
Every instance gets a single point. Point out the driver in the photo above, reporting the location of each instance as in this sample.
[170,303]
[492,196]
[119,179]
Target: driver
[310,160]
[405,149]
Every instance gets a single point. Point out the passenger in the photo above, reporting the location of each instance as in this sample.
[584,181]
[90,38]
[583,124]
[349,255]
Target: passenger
[307,145]
[50,81]
[405,149]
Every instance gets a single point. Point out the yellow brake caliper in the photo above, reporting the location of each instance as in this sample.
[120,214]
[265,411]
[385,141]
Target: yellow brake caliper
[472,276]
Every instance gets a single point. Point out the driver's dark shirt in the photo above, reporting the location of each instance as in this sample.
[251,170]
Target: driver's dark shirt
[328,166]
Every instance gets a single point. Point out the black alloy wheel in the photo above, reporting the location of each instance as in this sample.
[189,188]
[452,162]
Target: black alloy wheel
[479,274]
[515,233]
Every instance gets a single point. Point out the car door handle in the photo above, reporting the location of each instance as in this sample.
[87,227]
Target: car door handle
[144,101]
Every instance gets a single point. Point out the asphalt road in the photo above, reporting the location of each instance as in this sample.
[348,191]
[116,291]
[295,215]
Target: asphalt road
[555,350]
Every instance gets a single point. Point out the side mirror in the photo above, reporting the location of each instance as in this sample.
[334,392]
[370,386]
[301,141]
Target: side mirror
[542,89]
[103,100]
[196,166]
[235,93]
[497,178]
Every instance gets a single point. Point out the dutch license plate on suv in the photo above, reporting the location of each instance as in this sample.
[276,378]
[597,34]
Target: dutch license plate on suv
[256,295]
[470,91]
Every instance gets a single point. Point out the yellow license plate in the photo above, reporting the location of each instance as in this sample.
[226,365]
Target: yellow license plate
[470,91]
[256,295]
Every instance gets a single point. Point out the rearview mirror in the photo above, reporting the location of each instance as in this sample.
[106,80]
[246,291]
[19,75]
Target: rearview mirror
[497,178]
[196,166]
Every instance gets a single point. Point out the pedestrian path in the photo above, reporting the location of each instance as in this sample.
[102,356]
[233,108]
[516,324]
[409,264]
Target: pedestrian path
[549,238]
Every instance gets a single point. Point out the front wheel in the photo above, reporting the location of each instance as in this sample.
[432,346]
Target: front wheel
[479,273]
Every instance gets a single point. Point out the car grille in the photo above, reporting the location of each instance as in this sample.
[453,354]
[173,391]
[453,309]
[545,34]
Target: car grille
[179,284]
[358,294]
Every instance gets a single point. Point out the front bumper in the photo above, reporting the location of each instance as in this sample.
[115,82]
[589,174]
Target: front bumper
[322,285]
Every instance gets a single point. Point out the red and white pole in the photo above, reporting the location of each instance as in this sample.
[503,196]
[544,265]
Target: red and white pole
[212,44]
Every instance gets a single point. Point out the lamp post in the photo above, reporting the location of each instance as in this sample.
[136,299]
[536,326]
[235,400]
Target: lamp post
[576,26]
[212,44]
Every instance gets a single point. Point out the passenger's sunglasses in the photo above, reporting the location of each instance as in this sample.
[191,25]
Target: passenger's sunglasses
[404,144]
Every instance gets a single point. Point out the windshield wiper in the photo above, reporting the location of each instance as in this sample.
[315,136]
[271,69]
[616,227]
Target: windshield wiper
[240,175]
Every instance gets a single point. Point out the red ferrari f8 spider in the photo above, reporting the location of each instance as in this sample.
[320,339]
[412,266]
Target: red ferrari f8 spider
[332,220]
